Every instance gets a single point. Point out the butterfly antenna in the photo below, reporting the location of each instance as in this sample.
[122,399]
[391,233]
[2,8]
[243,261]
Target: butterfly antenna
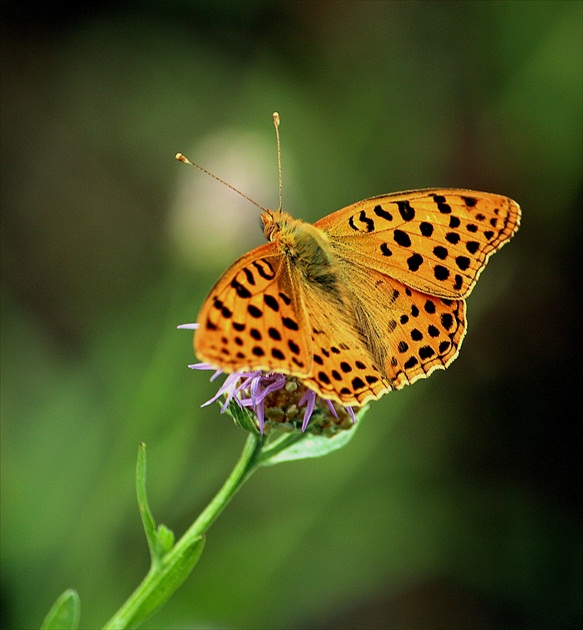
[276,124]
[182,158]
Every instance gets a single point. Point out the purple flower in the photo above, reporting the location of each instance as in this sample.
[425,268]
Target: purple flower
[278,400]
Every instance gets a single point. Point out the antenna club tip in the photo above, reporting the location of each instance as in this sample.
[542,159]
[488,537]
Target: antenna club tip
[275,117]
[181,158]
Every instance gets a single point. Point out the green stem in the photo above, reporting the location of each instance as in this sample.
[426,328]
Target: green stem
[164,577]
[245,467]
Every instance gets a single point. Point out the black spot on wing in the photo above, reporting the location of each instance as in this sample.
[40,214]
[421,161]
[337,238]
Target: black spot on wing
[406,210]
[382,213]
[402,238]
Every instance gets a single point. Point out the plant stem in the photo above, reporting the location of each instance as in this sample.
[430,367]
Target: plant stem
[245,467]
[165,576]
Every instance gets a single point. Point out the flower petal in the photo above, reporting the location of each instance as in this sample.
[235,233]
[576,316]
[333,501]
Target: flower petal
[310,399]
[332,409]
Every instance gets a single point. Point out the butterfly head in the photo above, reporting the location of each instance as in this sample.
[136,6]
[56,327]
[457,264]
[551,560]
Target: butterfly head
[272,223]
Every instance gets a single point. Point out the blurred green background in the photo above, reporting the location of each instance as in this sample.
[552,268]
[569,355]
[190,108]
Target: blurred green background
[458,502]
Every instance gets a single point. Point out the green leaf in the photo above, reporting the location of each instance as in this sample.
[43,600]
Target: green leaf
[165,539]
[293,447]
[145,513]
[171,564]
[160,584]
[65,613]
[242,417]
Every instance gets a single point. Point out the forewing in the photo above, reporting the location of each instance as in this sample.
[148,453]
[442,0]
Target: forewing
[253,318]
[436,241]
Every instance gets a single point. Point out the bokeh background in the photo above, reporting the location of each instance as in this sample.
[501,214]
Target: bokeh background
[457,504]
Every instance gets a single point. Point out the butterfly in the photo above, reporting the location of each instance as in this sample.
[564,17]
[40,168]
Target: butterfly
[366,300]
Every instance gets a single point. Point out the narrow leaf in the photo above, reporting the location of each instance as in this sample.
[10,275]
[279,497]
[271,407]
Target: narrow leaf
[65,613]
[164,581]
[145,512]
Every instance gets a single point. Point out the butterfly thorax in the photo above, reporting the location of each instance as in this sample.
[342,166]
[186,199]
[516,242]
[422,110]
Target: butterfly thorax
[305,247]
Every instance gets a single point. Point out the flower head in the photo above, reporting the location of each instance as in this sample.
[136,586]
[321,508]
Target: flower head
[278,401]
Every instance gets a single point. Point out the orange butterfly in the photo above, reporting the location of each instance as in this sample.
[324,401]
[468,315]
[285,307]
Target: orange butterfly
[367,299]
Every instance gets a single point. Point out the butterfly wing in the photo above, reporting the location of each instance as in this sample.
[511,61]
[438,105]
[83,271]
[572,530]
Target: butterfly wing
[253,318]
[435,241]
[384,336]
[372,304]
